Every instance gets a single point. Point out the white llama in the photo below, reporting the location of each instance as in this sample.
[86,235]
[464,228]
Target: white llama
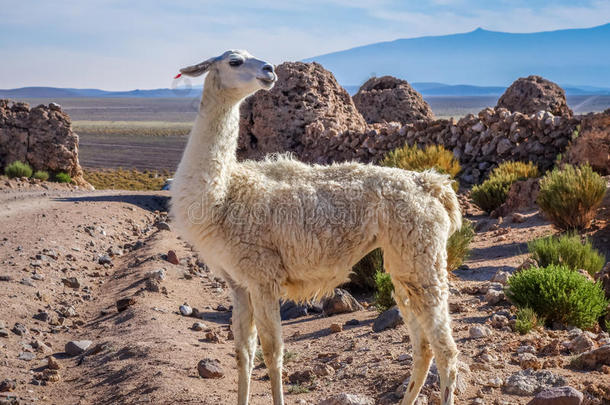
[282,229]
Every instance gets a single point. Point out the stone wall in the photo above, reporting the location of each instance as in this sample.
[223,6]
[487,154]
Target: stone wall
[41,136]
[311,116]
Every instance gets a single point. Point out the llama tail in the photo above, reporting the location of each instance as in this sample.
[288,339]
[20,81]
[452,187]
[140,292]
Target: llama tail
[440,186]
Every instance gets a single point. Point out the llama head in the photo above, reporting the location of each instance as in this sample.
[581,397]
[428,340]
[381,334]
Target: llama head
[236,72]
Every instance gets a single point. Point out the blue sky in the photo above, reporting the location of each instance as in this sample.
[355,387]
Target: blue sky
[121,45]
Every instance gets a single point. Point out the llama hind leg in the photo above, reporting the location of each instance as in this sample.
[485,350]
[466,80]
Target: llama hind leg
[245,341]
[422,354]
[269,324]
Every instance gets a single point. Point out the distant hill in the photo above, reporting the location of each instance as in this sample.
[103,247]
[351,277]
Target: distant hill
[481,58]
[55,92]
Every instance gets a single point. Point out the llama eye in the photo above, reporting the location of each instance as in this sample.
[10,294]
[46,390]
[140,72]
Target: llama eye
[236,62]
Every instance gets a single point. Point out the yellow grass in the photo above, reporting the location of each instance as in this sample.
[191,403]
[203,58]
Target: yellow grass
[126,179]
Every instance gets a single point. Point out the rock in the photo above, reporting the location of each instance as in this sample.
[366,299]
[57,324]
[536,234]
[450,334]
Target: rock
[499,321]
[302,114]
[26,356]
[172,257]
[53,364]
[163,226]
[603,276]
[104,259]
[593,358]
[388,319]
[388,99]
[581,344]
[479,331]
[301,377]
[495,294]
[501,277]
[71,282]
[124,303]
[521,196]
[322,370]
[292,310]
[185,310]
[41,136]
[198,326]
[342,302]
[76,347]
[528,263]
[558,396]
[348,399]
[531,94]
[8,385]
[592,145]
[20,329]
[50,375]
[530,382]
[158,275]
[335,328]
[210,368]
[529,360]
[352,322]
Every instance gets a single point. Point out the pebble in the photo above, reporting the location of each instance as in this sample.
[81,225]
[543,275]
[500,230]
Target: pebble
[479,331]
[352,322]
[76,347]
[530,382]
[558,396]
[335,328]
[124,303]
[163,226]
[529,360]
[20,329]
[26,356]
[348,399]
[8,385]
[198,326]
[388,319]
[71,282]
[185,310]
[172,257]
[104,259]
[210,368]
[53,364]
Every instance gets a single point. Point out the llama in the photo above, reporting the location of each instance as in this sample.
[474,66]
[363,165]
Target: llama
[279,228]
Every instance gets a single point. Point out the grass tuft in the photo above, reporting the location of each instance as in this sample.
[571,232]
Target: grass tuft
[126,179]
[567,250]
[18,169]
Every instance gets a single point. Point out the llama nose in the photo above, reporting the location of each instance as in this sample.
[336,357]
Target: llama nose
[268,68]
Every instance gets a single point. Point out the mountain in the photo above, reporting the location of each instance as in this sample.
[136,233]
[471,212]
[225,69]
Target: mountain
[481,58]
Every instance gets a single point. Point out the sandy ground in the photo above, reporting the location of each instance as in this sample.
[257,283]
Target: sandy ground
[148,353]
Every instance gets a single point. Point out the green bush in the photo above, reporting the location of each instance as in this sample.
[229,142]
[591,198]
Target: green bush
[63,177]
[558,294]
[363,273]
[18,169]
[458,246]
[41,175]
[567,250]
[385,288]
[569,197]
[493,192]
[416,159]
[526,320]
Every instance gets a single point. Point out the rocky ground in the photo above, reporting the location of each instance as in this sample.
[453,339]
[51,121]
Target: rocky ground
[91,289]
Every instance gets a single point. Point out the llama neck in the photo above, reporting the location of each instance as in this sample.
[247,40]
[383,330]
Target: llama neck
[210,153]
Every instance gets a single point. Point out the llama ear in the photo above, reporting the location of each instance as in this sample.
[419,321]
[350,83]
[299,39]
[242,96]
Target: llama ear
[198,69]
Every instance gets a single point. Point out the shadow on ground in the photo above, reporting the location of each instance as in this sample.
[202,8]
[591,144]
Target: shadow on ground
[147,202]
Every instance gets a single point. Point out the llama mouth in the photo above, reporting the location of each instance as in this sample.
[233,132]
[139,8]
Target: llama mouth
[266,82]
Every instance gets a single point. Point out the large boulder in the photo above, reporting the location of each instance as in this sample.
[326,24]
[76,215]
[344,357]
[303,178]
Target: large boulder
[593,143]
[305,108]
[388,99]
[41,136]
[531,94]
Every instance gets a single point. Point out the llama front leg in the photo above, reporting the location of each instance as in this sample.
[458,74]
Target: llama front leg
[269,323]
[245,341]
[422,354]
